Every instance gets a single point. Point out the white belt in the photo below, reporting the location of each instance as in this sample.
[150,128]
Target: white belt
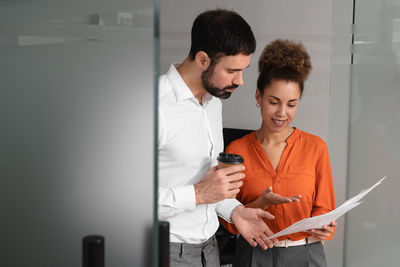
[289,243]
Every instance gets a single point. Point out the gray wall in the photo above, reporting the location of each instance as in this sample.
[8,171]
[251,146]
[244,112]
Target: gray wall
[76,115]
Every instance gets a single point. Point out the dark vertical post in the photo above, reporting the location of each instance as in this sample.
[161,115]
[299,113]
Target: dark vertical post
[93,251]
[163,245]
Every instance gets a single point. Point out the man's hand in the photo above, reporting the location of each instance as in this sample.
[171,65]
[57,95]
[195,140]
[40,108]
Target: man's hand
[251,226]
[325,232]
[269,198]
[218,185]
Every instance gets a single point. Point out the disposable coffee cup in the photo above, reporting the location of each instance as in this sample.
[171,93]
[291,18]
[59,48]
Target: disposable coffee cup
[227,160]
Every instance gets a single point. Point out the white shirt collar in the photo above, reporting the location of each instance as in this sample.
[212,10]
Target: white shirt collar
[182,91]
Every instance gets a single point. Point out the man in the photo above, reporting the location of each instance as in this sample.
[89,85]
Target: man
[192,192]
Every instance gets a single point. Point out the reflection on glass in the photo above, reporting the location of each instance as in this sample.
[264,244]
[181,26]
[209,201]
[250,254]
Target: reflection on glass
[76,124]
[374,148]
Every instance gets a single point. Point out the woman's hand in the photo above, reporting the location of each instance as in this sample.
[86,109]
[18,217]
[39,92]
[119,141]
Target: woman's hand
[269,198]
[325,232]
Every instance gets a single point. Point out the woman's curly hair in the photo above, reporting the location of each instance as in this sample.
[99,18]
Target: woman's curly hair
[283,60]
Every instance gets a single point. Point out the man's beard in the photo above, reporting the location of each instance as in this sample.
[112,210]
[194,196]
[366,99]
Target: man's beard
[210,87]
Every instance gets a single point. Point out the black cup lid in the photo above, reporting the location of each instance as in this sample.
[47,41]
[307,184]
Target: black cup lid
[230,158]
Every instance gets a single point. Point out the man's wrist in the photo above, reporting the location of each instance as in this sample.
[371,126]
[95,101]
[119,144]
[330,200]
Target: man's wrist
[235,210]
[197,194]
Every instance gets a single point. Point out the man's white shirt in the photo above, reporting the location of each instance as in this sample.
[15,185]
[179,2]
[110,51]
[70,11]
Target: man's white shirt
[189,141]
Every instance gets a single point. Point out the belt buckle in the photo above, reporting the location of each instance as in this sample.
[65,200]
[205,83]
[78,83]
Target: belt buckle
[286,243]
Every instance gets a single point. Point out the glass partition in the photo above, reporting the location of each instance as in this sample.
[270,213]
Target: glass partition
[77,109]
[371,230]
[339,95]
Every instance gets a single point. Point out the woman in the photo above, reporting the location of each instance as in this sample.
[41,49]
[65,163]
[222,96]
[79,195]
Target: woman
[285,160]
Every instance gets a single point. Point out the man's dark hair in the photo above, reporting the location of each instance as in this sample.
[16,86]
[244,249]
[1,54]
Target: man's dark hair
[221,33]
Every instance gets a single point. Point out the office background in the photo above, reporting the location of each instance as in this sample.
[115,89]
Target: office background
[351,100]
[77,91]
[77,118]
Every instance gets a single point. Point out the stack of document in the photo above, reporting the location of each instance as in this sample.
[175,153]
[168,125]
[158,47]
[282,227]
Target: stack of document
[318,222]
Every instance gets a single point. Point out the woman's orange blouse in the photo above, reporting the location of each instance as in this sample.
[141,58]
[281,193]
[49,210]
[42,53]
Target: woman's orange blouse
[304,169]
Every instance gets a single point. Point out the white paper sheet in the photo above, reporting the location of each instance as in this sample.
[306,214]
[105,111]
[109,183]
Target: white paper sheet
[361,194]
[324,219]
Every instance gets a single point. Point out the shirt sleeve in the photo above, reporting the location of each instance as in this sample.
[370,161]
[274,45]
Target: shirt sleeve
[325,197]
[225,208]
[175,200]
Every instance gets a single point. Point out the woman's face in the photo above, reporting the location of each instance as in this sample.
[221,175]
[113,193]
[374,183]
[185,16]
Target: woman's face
[278,104]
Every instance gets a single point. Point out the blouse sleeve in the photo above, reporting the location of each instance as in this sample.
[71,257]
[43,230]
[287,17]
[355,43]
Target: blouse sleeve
[325,197]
